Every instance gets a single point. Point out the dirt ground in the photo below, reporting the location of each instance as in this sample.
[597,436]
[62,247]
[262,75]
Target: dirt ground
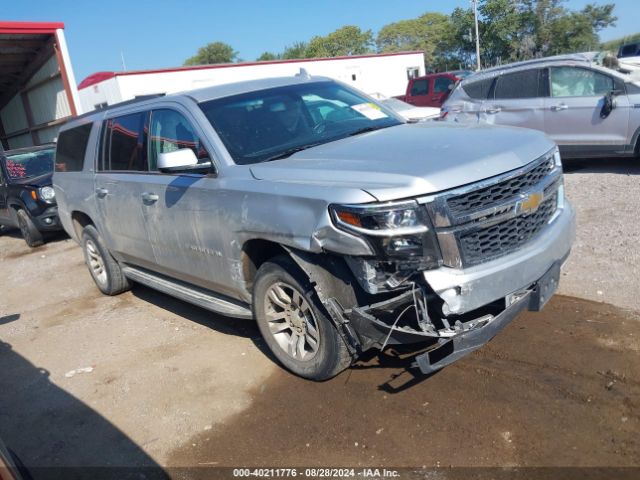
[145,380]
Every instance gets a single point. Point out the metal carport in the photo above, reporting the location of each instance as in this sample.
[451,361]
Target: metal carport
[38,91]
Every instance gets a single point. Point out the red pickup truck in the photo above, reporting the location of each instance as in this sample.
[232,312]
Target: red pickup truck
[432,90]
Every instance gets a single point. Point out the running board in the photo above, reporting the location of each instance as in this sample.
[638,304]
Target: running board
[189,293]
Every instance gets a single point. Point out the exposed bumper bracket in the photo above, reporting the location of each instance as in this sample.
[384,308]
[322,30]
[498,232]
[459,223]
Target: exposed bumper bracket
[465,343]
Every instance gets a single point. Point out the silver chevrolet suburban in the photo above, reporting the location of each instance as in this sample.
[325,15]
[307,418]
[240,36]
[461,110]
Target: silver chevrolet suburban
[320,213]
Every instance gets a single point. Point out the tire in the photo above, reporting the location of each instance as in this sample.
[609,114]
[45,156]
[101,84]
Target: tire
[29,231]
[104,269]
[294,324]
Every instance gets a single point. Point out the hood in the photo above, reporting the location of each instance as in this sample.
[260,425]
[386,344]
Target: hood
[410,159]
[39,181]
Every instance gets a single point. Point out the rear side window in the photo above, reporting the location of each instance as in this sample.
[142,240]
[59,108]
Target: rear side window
[524,84]
[72,145]
[420,87]
[630,50]
[478,89]
[441,84]
[125,143]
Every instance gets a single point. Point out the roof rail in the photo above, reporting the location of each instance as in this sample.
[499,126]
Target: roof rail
[577,57]
[137,99]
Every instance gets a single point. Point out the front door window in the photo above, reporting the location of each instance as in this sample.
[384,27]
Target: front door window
[579,82]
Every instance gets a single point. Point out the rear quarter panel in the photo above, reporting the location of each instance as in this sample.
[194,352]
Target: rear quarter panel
[75,190]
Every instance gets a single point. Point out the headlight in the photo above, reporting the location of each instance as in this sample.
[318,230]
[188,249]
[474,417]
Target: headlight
[47,194]
[556,158]
[394,229]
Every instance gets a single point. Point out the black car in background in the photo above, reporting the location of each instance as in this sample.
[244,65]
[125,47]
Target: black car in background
[27,199]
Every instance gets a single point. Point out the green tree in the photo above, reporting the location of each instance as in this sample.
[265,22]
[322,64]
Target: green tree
[267,56]
[216,52]
[295,51]
[615,44]
[462,49]
[501,31]
[348,40]
[555,30]
[433,33]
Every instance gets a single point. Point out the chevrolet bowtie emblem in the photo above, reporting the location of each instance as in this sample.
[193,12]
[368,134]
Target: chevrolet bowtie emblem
[530,202]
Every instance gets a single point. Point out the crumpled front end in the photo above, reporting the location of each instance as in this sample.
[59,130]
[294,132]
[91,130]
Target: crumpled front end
[496,249]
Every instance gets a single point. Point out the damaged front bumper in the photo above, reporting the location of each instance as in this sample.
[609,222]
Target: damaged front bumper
[455,339]
[474,304]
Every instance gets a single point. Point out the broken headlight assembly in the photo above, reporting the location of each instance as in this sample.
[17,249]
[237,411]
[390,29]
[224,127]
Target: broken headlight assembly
[396,231]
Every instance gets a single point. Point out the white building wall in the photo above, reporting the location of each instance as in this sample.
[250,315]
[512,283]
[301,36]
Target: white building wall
[107,91]
[377,74]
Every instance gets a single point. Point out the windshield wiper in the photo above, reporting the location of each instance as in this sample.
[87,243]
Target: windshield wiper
[290,151]
[368,129]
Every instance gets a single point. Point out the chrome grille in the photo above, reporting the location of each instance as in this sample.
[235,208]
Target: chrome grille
[479,222]
[495,194]
[487,243]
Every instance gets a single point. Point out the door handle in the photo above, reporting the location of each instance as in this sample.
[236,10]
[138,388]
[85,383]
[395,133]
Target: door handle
[101,192]
[149,197]
[493,110]
[557,108]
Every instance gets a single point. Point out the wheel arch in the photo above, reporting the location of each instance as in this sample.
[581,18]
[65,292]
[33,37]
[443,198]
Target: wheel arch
[14,205]
[79,220]
[254,253]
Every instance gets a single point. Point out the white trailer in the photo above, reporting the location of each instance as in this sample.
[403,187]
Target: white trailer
[385,74]
[37,88]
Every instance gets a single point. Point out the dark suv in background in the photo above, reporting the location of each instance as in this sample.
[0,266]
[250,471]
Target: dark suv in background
[27,199]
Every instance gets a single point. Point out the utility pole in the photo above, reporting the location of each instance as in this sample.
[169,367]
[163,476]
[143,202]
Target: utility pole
[475,16]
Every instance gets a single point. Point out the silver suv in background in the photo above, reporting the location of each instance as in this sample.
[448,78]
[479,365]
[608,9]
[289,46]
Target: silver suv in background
[589,110]
[323,215]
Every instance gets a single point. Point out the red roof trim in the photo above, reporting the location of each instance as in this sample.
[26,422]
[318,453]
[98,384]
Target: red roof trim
[95,78]
[100,76]
[30,28]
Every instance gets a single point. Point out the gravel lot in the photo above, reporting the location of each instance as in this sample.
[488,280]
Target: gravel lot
[143,379]
[604,265]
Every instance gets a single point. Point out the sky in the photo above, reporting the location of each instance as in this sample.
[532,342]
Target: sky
[164,33]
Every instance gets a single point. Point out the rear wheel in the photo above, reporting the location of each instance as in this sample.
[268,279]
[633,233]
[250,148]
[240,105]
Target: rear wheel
[29,231]
[104,269]
[294,324]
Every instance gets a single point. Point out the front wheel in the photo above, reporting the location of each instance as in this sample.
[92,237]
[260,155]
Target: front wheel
[29,231]
[293,323]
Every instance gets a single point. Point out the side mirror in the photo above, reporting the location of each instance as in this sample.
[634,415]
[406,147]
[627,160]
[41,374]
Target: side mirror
[608,105]
[180,161]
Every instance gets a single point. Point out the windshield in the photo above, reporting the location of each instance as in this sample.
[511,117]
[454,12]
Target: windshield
[275,123]
[30,164]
